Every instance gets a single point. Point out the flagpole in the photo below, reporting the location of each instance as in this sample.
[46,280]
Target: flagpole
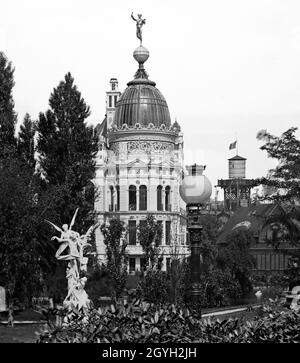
[237,148]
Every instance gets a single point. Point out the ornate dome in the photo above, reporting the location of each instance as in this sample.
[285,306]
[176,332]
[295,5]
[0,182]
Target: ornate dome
[142,102]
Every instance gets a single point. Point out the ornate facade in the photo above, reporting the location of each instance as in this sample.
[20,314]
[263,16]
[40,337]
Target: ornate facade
[139,166]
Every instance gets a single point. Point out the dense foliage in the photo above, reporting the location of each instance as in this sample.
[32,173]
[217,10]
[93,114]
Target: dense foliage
[116,256]
[219,283]
[8,117]
[218,288]
[286,176]
[67,149]
[24,253]
[236,259]
[30,191]
[25,142]
[149,234]
[149,323]
[154,286]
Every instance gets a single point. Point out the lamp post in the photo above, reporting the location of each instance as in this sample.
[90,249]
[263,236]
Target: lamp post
[195,190]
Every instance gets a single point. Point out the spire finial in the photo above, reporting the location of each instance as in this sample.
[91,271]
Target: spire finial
[141,53]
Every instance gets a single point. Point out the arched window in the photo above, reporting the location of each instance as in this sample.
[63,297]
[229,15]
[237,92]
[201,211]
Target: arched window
[143,197]
[167,198]
[117,208]
[111,206]
[132,197]
[159,198]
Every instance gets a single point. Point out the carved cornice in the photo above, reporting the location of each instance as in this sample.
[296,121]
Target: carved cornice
[142,146]
[149,147]
[138,132]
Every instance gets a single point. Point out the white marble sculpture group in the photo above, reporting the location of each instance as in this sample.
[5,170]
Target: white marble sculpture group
[75,244]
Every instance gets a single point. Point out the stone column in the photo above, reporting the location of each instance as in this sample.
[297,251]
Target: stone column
[124,195]
[152,196]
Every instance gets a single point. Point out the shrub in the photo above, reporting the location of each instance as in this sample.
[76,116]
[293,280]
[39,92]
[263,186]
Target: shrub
[236,258]
[148,323]
[218,289]
[153,287]
[98,284]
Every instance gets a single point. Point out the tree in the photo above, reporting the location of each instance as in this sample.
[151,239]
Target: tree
[8,117]
[286,176]
[235,257]
[20,260]
[208,243]
[217,284]
[150,236]
[284,181]
[176,271]
[26,147]
[116,256]
[26,252]
[153,285]
[67,149]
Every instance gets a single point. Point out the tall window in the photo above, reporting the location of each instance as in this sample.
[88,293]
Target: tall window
[167,198]
[132,232]
[187,238]
[159,198]
[132,197]
[117,208]
[143,264]
[116,99]
[111,206]
[143,197]
[110,101]
[168,263]
[161,228]
[168,232]
[131,265]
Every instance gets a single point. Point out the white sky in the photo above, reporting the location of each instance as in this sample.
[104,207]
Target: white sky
[226,68]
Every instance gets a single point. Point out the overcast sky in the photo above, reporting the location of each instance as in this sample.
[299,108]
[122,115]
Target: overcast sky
[226,68]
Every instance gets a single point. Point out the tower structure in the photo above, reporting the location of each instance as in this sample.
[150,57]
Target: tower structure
[139,167]
[112,97]
[236,188]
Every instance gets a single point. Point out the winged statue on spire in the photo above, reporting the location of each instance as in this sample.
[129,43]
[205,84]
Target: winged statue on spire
[139,23]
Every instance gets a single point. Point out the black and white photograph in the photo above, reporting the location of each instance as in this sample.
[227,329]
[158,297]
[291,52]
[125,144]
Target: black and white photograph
[149,175]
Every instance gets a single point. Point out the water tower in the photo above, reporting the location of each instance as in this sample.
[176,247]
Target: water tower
[236,188]
[237,167]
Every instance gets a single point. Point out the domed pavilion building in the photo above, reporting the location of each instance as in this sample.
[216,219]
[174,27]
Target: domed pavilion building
[139,166]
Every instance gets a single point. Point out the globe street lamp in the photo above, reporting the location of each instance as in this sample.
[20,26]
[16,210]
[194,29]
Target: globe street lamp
[195,190]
